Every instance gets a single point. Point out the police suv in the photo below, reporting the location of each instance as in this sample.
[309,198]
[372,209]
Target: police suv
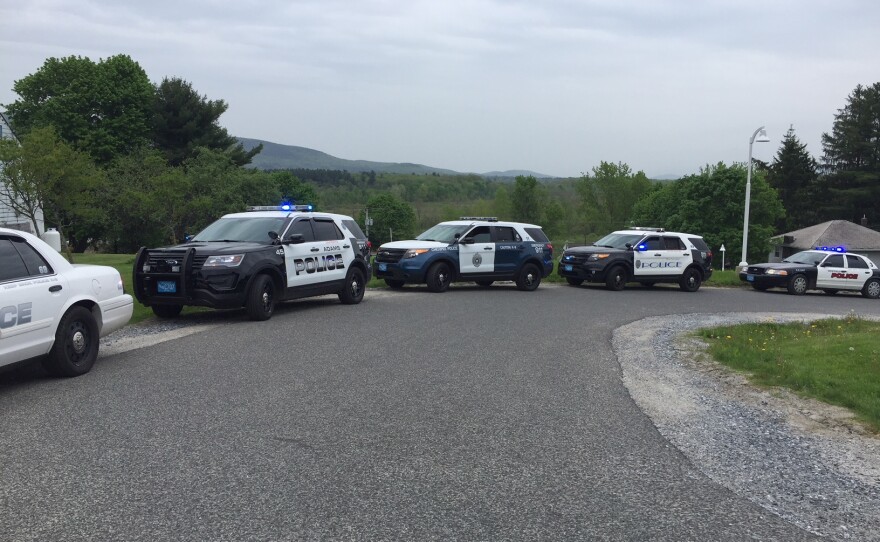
[478,249]
[256,259]
[826,268]
[53,310]
[644,255]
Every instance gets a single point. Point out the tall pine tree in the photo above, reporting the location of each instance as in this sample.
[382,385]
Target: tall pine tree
[793,174]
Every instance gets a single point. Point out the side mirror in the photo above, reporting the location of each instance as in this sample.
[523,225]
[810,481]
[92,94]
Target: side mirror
[629,246]
[468,240]
[295,239]
[273,235]
[187,238]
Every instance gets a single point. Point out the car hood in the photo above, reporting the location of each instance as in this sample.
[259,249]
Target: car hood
[406,245]
[214,247]
[780,265]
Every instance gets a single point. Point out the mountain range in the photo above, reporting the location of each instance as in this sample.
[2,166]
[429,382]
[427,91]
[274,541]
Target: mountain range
[277,156]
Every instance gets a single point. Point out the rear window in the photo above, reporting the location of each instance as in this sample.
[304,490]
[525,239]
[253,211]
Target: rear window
[537,234]
[699,243]
[354,228]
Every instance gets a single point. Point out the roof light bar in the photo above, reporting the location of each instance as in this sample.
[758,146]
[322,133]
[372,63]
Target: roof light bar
[483,218]
[840,249]
[639,228]
[282,207]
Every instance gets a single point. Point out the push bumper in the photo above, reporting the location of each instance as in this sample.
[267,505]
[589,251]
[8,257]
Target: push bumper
[764,281]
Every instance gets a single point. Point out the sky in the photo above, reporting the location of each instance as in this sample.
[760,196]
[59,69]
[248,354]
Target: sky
[551,86]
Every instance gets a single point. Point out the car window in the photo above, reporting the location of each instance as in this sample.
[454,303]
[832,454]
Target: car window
[35,263]
[538,235]
[480,234]
[835,260]
[326,230]
[252,229]
[354,229]
[506,234]
[673,243]
[699,243]
[651,243]
[11,265]
[304,228]
[855,262]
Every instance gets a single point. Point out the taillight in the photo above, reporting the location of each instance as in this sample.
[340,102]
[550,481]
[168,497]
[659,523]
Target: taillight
[710,254]
[550,247]
[369,244]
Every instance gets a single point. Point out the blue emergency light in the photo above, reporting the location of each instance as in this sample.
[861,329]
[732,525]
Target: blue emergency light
[840,249]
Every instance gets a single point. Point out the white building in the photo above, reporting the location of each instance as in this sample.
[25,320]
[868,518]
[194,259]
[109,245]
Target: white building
[9,218]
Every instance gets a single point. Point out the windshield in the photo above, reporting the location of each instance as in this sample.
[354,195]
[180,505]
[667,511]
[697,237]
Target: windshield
[806,257]
[618,240]
[444,233]
[255,230]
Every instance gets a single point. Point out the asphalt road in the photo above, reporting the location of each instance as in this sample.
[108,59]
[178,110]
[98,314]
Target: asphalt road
[471,415]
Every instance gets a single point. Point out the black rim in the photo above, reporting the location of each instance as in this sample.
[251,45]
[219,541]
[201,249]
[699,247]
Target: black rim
[266,298]
[355,285]
[78,342]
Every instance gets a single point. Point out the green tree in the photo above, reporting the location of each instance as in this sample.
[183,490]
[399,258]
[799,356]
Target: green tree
[794,173]
[711,204]
[102,108]
[851,158]
[45,173]
[389,213]
[527,200]
[608,195]
[184,121]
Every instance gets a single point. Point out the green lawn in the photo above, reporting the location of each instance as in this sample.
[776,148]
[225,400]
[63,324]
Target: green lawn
[835,361]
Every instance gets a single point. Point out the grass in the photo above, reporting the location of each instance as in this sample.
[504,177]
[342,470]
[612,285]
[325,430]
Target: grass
[835,361]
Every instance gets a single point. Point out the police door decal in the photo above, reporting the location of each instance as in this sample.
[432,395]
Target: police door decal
[476,252]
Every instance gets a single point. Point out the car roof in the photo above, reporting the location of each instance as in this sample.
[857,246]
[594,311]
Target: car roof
[488,223]
[649,232]
[286,214]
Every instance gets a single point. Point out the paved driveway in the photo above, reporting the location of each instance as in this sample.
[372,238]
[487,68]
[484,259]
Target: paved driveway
[471,415]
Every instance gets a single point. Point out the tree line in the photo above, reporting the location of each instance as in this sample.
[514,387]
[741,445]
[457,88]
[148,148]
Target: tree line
[117,162]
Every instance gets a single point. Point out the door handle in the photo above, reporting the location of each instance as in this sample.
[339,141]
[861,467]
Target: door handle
[346,246]
[686,254]
[315,249]
[657,254]
[56,288]
[487,248]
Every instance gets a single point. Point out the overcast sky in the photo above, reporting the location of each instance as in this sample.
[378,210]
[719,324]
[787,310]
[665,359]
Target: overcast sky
[553,86]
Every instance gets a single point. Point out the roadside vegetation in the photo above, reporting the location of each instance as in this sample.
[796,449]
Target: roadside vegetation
[836,360]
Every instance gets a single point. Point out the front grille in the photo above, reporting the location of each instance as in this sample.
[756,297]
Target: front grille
[162,261]
[575,259]
[390,255]
[755,270]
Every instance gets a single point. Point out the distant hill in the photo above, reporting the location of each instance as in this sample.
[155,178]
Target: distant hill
[277,156]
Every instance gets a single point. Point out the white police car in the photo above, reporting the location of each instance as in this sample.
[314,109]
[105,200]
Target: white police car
[53,310]
[477,249]
[256,259]
[830,269]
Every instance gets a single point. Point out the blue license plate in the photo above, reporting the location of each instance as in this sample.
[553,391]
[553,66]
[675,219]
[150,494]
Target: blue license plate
[166,287]
[568,268]
[383,267]
[750,278]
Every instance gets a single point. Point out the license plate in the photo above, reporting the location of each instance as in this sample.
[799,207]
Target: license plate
[568,268]
[166,287]
[383,267]
[750,278]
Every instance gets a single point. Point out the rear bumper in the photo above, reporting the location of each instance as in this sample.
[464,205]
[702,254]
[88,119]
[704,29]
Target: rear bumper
[115,313]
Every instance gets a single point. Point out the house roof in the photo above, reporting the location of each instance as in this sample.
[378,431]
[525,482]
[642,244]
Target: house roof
[833,233]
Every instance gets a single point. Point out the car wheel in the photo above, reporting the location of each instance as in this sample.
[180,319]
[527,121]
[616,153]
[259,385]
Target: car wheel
[529,278]
[396,284]
[439,277]
[830,291]
[76,344]
[484,283]
[353,289]
[871,290]
[574,281]
[166,311]
[616,279]
[690,280]
[261,298]
[797,285]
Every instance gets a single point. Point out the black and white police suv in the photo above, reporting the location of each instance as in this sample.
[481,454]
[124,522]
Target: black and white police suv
[644,255]
[254,260]
[826,268]
[52,310]
[477,249]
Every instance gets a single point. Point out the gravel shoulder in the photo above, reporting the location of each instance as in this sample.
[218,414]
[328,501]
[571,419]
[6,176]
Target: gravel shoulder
[808,462]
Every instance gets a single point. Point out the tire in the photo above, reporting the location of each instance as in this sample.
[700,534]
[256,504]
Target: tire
[616,279]
[76,344]
[353,290]
[574,281]
[690,280]
[166,311]
[798,284]
[830,291]
[871,289]
[484,283]
[260,303]
[529,278]
[759,288]
[439,277]
[396,284]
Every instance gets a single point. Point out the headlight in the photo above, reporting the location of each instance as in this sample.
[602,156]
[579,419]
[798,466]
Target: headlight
[777,272]
[233,260]
[413,252]
[597,257]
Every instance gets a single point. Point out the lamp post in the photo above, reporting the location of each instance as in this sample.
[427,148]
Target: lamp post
[760,136]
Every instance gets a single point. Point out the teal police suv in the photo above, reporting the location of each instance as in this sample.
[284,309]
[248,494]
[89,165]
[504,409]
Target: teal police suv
[475,249]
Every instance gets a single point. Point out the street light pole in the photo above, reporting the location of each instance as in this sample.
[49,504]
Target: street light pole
[761,136]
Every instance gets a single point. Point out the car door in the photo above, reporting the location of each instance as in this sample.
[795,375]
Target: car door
[335,252]
[299,254]
[858,272]
[831,273]
[509,250]
[32,297]
[476,252]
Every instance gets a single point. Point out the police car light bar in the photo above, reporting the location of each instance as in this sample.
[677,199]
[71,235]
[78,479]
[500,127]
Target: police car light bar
[639,228]
[831,249]
[483,218]
[283,207]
